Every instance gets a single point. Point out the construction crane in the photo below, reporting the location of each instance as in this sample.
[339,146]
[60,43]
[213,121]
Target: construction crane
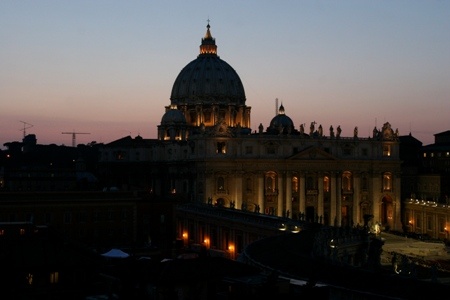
[74,136]
[25,127]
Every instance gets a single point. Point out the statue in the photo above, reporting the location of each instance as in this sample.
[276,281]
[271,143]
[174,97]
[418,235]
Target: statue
[331,131]
[320,130]
[355,132]
[339,130]
[311,128]
[302,129]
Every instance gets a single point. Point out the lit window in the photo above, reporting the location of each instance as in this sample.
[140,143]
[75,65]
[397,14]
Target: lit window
[54,277]
[386,150]
[387,182]
[295,184]
[221,148]
[326,184]
[347,181]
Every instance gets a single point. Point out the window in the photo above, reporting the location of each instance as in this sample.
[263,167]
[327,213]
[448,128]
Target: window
[220,184]
[120,155]
[271,182]
[295,184]
[387,182]
[326,184]
[54,277]
[386,150]
[347,184]
[221,147]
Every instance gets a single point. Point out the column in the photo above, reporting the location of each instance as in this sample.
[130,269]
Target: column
[377,195]
[333,203]
[339,200]
[397,203]
[237,194]
[280,198]
[209,188]
[320,196]
[261,189]
[302,197]
[289,194]
[357,219]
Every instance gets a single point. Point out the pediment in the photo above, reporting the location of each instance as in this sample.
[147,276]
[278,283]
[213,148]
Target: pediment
[312,153]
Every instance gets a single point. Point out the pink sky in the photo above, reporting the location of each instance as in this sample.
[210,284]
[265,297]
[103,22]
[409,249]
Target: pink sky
[107,67]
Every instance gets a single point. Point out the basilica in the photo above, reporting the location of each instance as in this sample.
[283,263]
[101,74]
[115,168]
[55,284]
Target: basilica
[206,152]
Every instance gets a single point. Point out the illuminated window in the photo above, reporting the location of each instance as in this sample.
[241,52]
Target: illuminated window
[326,184]
[295,184]
[29,278]
[271,182]
[221,148]
[54,277]
[22,231]
[347,181]
[387,182]
[386,150]
[120,155]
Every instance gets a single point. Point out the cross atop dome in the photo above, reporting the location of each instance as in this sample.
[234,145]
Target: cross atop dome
[208,46]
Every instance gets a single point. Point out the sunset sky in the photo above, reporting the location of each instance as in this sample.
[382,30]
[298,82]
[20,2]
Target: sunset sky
[107,67]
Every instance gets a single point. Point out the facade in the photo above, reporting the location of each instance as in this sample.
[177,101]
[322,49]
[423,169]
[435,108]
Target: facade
[206,152]
[426,191]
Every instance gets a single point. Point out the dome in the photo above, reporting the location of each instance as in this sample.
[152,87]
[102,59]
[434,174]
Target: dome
[208,79]
[281,123]
[173,117]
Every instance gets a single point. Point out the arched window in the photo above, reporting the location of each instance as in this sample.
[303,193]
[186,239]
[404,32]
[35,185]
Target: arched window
[271,182]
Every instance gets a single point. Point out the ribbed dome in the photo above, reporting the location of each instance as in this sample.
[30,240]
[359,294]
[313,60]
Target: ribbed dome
[281,122]
[208,79]
[173,117]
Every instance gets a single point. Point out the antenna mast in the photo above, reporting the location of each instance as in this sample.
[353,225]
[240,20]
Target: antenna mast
[25,127]
[276,106]
[74,134]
